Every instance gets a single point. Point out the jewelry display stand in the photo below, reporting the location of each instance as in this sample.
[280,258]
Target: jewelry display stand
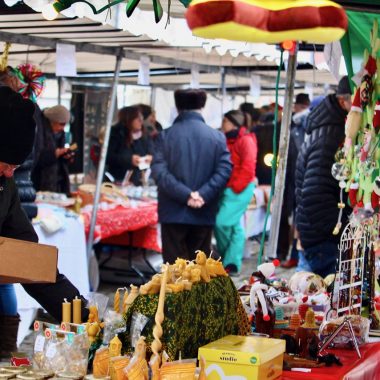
[354,244]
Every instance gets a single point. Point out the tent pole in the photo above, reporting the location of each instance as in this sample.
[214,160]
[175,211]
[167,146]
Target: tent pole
[103,154]
[59,82]
[282,154]
[223,87]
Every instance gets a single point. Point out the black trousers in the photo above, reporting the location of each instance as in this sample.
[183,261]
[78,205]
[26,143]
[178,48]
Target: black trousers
[182,240]
[51,296]
[283,243]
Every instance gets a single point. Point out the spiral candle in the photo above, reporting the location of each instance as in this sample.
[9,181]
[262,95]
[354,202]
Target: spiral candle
[159,317]
[116,301]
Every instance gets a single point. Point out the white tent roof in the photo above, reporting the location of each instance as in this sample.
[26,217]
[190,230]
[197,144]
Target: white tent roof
[97,43]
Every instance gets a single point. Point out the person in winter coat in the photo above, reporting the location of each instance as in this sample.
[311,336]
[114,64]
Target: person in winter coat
[17,132]
[297,134]
[24,184]
[317,192]
[150,124]
[264,134]
[129,147]
[51,171]
[191,167]
[229,233]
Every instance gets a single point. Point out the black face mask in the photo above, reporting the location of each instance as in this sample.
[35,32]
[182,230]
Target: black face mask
[232,134]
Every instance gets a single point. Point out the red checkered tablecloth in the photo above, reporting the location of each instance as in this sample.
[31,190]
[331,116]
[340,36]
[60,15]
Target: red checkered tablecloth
[135,225]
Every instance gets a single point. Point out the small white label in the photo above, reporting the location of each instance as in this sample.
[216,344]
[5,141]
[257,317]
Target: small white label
[51,351]
[39,344]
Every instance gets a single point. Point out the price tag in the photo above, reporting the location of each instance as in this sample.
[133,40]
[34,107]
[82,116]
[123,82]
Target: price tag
[51,351]
[39,343]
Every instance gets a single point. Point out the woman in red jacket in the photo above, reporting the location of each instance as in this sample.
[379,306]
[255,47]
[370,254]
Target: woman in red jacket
[228,230]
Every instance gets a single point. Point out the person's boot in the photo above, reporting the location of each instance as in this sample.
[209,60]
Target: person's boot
[8,331]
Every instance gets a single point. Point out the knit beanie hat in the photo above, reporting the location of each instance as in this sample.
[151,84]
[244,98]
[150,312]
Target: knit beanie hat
[57,114]
[344,87]
[191,99]
[237,118]
[17,127]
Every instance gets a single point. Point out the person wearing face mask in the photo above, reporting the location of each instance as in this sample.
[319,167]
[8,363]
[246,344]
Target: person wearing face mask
[51,172]
[129,148]
[317,192]
[229,233]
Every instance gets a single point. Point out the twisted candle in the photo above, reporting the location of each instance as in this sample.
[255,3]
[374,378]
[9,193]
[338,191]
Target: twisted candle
[125,300]
[116,301]
[159,317]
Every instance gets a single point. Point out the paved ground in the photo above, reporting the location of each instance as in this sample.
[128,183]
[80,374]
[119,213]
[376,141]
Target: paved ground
[111,280]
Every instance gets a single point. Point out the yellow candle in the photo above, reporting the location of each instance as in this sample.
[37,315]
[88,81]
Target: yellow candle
[125,297]
[159,317]
[77,310]
[66,311]
[115,346]
[116,301]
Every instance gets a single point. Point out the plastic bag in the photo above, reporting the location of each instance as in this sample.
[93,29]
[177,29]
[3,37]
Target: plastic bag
[100,301]
[114,324]
[63,352]
[138,323]
[360,325]
[40,341]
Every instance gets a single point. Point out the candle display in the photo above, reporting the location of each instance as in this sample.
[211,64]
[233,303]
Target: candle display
[77,310]
[66,311]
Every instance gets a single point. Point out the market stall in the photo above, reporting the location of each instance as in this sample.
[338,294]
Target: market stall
[191,310]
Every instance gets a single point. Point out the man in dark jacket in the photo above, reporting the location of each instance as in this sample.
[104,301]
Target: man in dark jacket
[191,167]
[17,131]
[317,192]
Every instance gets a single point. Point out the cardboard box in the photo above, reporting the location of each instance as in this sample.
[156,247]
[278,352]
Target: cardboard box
[243,358]
[25,262]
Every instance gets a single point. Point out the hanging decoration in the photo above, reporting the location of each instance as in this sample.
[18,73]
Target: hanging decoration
[358,162]
[32,80]
[270,21]
[51,10]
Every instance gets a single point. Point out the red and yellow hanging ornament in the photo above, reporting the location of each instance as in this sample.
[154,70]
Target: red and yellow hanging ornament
[269,21]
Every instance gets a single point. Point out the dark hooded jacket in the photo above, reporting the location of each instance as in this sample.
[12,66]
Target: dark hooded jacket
[119,156]
[317,192]
[50,173]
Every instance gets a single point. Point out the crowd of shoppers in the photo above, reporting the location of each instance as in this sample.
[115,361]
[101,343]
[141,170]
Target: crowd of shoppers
[205,178]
